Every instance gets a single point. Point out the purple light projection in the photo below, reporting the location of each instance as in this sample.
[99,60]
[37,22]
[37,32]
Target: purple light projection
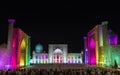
[9,43]
[11,20]
[42,56]
[112,38]
[46,56]
[86,50]
[68,61]
[3,58]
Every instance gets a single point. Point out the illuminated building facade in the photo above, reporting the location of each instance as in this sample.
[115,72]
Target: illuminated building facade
[17,52]
[20,48]
[58,53]
[3,58]
[101,46]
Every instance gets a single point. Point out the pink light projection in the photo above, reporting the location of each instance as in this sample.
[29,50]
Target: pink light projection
[92,43]
[10,55]
[13,43]
[92,51]
[113,40]
[14,49]
[102,46]
[58,51]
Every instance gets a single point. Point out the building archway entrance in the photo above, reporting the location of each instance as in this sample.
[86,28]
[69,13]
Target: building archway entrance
[92,48]
[57,56]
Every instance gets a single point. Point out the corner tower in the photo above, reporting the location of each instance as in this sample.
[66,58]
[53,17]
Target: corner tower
[9,42]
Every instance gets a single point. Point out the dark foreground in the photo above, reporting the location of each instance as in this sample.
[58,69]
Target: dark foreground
[62,69]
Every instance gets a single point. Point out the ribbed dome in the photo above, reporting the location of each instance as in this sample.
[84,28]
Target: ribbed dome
[58,51]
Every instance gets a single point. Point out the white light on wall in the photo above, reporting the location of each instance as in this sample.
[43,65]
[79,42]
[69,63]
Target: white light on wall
[86,49]
[81,52]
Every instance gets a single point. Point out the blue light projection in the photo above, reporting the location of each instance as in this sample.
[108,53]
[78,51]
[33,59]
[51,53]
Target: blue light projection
[38,48]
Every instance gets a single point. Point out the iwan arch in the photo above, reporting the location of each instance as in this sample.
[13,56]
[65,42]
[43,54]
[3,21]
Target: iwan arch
[101,46]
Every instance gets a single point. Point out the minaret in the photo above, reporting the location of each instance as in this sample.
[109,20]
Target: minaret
[10,36]
[85,50]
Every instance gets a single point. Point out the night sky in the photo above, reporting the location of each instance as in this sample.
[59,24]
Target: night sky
[66,26]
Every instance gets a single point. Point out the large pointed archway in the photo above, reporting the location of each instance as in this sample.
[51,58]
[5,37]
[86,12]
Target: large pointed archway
[22,53]
[92,49]
[57,53]
[57,56]
[93,46]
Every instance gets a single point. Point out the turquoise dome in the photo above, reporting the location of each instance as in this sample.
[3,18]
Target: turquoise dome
[38,48]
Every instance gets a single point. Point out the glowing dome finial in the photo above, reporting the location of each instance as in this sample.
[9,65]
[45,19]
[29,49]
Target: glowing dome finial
[105,23]
[11,20]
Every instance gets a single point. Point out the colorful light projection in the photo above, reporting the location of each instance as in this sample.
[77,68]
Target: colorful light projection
[52,52]
[101,43]
[57,57]
[95,45]
[93,52]
[85,50]
[74,58]
[18,42]
[113,55]
[20,49]
[24,50]
[112,38]
[106,47]
[22,53]
[3,58]
[40,59]
[100,35]
[9,41]
[92,46]
[102,46]
[14,49]
[58,51]
[28,51]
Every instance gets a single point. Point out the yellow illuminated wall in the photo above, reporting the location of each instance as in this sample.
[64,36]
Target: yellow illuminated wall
[22,53]
[24,49]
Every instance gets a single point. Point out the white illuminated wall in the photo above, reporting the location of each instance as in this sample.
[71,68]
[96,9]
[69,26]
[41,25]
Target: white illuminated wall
[50,53]
[63,47]
[58,53]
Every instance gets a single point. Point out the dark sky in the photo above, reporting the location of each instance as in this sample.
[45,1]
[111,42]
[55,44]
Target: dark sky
[67,25]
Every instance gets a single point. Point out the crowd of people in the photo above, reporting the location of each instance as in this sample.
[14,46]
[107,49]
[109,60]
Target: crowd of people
[61,70]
